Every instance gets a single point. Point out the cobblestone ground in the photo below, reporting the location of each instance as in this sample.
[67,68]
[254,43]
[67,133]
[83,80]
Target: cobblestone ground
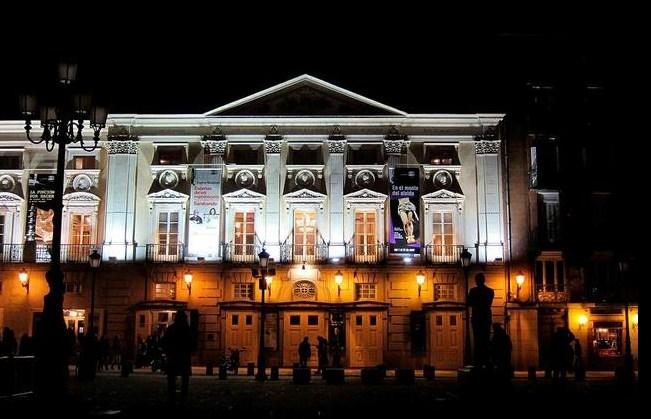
[144,395]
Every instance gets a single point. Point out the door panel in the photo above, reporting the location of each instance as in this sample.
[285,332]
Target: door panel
[297,325]
[447,339]
[366,339]
[242,333]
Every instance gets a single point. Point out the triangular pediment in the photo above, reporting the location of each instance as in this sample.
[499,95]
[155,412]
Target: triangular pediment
[9,198]
[305,96]
[167,194]
[366,195]
[243,194]
[443,194]
[305,194]
[81,197]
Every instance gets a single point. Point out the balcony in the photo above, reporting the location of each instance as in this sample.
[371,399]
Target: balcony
[303,253]
[165,253]
[11,253]
[551,294]
[365,253]
[70,253]
[447,254]
[240,253]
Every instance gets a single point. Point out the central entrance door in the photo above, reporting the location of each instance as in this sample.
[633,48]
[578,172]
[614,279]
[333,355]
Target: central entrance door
[242,333]
[366,339]
[447,339]
[296,326]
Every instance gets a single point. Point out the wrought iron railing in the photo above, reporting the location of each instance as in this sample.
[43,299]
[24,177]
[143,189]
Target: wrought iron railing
[78,253]
[488,253]
[304,253]
[11,253]
[165,253]
[240,253]
[365,253]
[552,293]
[443,253]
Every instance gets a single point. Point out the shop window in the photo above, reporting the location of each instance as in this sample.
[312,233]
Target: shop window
[312,320]
[607,339]
[295,320]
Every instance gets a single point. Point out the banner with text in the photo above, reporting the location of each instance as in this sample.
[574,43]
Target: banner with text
[404,198]
[203,238]
[40,208]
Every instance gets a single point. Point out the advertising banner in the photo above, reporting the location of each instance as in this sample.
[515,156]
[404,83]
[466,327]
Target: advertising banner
[404,198]
[203,238]
[40,208]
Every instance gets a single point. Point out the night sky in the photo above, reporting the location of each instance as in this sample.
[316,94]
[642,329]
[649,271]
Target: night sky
[414,68]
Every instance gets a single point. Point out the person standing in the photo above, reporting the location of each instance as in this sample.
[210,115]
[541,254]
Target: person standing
[480,299]
[322,351]
[177,344]
[116,353]
[501,352]
[304,352]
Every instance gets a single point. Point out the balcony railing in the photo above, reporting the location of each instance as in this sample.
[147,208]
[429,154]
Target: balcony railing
[303,253]
[240,253]
[70,253]
[365,253]
[488,253]
[443,253]
[551,293]
[165,253]
[11,253]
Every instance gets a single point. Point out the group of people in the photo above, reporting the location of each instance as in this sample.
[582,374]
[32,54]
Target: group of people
[92,354]
[9,345]
[322,346]
[565,354]
[149,353]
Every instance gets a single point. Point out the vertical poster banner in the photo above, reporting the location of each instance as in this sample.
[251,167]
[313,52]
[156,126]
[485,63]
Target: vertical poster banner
[40,209]
[404,198]
[203,238]
[271,331]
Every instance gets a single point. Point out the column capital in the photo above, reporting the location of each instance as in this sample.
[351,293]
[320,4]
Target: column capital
[214,144]
[273,141]
[122,144]
[487,147]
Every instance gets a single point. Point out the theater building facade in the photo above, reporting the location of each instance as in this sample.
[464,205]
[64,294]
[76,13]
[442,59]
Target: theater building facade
[365,210]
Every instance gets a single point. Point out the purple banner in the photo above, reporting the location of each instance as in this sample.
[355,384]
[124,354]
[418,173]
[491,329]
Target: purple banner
[404,198]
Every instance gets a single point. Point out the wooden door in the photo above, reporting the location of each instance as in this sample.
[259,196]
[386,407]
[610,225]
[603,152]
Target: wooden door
[298,325]
[242,333]
[447,340]
[366,339]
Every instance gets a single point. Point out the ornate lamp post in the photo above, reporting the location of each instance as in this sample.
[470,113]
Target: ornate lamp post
[94,260]
[23,277]
[63,124]
[262,285]
[466,257]
[339,279]
[420,280]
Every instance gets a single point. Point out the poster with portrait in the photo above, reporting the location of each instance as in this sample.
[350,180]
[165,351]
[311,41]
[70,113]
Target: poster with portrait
[40,208]
[404,199]
[204,215]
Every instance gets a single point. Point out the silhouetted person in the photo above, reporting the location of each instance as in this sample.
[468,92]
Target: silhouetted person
[322,351]
[480,299]
[304,352]
[561,352]
[116,353]
[26,345]
[177,344]
[9,344]
[89,355]
[103,359]
[501,352]
[578,364]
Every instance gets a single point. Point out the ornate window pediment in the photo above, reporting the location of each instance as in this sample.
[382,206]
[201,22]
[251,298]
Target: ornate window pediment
[244,196]
[366,195]
[81,199]
[443,196]
[167,196]
[303,195]
[11,199]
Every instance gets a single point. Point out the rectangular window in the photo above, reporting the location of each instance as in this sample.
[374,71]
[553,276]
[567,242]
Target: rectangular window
[312,320]
[439,320]
[73,287]
[304,235]
[168,233]
[84,162]
[81,229]
[358,320]
[171,155]
[243,291]
[373,320]
[248,320]
[235,319]
[453,320]
[607,339]
[164,290]
[141,320]
[295,320]
[365,240]
[244,236]
[366,291]
[11,162]
[444,292]
[550,279]
[443,235]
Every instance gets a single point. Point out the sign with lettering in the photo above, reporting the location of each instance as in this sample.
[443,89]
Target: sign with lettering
[40,208]
[203,238]
[404,198]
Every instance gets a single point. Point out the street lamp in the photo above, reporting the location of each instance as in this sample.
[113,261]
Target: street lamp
[94,260]
[339,279]
[466,258]
[629,372]
[519,281]
[263,257]
[63,124]
[23,277]
[420,280]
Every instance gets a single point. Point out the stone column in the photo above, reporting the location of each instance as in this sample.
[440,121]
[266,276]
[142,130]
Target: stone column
[488,201]
[121,183]
[336,149]
[272,143]
[395,149]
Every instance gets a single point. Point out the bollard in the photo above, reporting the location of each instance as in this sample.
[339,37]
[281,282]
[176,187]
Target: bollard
[275,373]
[223,372]
[209,368]
[250,369]
[301,375]
[405,376]
[429,372]
[531,374]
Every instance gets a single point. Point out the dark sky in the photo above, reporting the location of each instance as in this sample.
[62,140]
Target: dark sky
[416,69]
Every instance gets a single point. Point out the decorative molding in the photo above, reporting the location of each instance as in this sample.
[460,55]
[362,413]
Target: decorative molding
[336,143]
[127,145]
[81,197]
[8,198]
[365,196]
[243,194]
[305,194]
[272,146]
[214,145]
[443,196]
[487,147]
[167,194]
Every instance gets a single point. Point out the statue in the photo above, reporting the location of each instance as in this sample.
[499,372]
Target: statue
[480,299]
